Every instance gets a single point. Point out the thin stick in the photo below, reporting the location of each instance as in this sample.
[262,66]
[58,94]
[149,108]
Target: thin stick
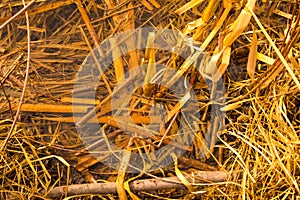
[17,14]
[87,22]
[7,99]
[95,58]
[25,81]
[284,62]
[138,185]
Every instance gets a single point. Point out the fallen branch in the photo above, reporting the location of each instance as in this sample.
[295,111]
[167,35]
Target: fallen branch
[138,185]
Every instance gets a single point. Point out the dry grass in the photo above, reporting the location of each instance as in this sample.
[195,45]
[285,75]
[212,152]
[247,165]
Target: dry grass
[252,46]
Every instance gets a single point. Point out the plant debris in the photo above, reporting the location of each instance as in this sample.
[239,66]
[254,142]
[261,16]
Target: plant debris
[228,85]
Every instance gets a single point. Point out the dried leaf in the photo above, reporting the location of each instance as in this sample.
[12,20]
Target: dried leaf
[121,174]
[266,59]
[188,6]
[117,59]
[224,64]
[251,65]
